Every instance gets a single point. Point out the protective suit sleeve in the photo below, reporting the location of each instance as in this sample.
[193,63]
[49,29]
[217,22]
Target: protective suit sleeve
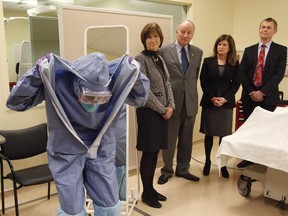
[120,134]
[140,91]
[28,92]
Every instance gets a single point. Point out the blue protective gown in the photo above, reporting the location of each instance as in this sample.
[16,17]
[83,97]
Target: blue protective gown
[81,145]
[121,153]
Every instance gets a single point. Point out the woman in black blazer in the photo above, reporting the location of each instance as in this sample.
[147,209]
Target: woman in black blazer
[220,80]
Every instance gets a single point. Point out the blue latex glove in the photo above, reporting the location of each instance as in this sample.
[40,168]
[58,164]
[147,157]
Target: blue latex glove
[38,62]
[130,59]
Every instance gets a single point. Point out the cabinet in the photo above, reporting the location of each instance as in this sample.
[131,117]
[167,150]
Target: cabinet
[239,114]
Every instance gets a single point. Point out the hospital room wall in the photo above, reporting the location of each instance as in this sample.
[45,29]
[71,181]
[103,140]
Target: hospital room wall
[247,19]
[241,19]
[212,18]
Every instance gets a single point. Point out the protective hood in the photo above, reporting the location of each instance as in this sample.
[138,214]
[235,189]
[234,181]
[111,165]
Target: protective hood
[94,69]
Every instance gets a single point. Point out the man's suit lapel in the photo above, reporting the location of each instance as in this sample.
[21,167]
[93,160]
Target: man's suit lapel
[254,55]
[270,54]
[175,57]
[191,56]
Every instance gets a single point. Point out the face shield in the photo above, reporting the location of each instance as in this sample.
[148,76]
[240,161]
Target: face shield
[91,83]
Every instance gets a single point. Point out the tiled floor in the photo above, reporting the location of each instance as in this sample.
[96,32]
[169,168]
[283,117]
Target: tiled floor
[211,196]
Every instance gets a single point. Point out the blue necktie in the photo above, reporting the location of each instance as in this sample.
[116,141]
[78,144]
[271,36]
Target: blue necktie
[185,62]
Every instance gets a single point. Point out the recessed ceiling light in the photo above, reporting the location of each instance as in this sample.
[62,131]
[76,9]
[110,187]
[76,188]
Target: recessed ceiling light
[31,2]
[41,9]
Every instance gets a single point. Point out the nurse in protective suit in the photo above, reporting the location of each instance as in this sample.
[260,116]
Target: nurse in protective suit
[83,103]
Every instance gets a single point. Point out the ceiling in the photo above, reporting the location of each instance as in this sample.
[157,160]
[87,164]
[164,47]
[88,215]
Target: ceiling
[23,5]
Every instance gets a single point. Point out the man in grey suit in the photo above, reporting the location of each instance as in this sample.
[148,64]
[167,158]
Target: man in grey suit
[184,86]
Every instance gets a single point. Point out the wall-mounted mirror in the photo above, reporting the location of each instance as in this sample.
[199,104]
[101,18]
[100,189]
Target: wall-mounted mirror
[39,35]
[112,41]
[44,36]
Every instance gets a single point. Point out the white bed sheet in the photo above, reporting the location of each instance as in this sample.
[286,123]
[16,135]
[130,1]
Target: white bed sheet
[262,139]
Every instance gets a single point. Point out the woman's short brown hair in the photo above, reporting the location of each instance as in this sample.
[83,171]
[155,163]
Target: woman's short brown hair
[148,28]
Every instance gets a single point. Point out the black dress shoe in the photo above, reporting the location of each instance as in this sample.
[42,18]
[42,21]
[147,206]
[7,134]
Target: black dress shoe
[159,196]
[151,202]
[206,169]
[244,164]
[188,176]
[163,179]
[224,172]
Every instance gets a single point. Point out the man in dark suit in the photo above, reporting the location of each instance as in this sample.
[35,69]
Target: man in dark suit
[184,86]
[265,92]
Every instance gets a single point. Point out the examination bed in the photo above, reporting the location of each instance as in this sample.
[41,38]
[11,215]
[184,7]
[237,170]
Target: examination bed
[262,139]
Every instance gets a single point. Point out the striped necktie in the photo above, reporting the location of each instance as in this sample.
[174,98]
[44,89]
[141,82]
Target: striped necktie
[184,60]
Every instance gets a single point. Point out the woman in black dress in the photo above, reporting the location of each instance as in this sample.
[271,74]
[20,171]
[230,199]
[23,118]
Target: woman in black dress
[152,118]
[220,80]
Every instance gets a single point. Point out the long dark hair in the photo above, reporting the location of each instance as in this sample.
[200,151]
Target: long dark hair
[232,55]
